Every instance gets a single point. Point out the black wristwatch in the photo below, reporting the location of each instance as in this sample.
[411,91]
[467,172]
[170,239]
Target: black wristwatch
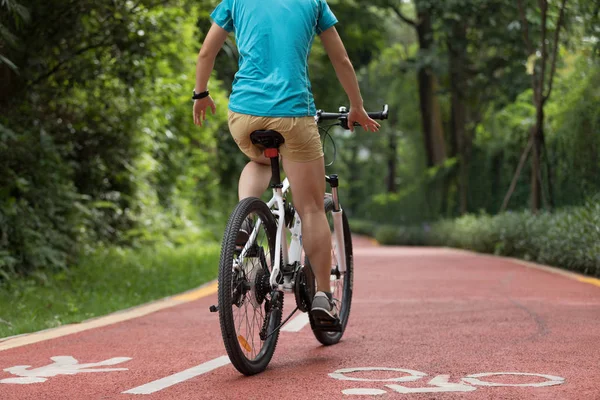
[198,96]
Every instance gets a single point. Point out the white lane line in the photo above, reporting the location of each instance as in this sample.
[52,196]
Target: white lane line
[364,392]
[296,324]
[179,377]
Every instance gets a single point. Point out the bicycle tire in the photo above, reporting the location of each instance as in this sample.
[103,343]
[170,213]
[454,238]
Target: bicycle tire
[330,338]
[227,301]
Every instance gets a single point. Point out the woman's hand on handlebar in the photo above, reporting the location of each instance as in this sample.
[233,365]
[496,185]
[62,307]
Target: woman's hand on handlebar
[359,115]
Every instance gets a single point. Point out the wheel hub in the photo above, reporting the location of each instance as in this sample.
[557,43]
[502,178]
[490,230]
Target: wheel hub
[240,287]
[262,286]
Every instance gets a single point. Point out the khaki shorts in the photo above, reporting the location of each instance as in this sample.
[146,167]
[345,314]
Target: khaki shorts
[302,141]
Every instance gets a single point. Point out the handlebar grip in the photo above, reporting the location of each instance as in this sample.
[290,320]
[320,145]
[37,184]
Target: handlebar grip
[379,115]
[376,115]
[327,116]
[343,116]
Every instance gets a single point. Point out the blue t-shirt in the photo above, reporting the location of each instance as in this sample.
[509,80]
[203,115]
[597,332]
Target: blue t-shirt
[274,38]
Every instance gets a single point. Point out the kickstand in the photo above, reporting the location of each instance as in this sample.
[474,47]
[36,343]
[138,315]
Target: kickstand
[283,323]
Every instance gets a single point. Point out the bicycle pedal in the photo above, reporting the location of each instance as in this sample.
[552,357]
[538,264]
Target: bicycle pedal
[327,325]
[213,308]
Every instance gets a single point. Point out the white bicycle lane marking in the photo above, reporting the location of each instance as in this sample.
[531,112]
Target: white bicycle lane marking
[68,365]
[179,377]
[294,325]
[438,384]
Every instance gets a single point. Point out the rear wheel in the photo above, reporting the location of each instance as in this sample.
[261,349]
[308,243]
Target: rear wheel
[341,282]
[249,310]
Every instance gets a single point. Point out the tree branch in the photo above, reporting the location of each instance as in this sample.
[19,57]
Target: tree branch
[135,6]
[555,49]
[60,64]
[406,51]
[515,178]
[530,49]
[525,26]
[397,11]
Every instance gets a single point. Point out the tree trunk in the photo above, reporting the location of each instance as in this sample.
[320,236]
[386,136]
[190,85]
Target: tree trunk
[517,174]
[6,83]
[391,164]
[433,133]
[354,196]
[540,92]
[457,63]
[548,165]
[437,128]
[536,171]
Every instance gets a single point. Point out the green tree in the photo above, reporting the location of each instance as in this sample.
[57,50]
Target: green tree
[422,19]
[484,55]
[542,76]
[96,140]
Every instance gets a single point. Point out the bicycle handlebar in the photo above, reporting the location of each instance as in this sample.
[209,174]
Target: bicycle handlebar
[342,116]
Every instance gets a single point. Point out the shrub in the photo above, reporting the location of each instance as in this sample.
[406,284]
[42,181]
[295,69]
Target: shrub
[568,238]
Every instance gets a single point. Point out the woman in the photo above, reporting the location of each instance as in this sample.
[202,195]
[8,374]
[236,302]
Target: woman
[272,90]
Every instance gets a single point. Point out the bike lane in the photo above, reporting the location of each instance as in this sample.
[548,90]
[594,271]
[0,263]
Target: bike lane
[425,323]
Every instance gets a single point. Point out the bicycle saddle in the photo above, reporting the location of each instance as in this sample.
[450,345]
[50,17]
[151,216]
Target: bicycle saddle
[269,139]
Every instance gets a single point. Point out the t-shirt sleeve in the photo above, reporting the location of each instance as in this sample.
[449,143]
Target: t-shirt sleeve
[222,16]
[326,17]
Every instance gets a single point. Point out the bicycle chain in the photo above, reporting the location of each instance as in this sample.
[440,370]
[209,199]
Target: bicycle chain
[269,310]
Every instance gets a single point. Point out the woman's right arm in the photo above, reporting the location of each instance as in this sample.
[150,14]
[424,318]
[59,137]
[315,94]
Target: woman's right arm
[345,72]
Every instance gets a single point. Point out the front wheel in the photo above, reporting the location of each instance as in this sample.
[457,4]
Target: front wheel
[341,282]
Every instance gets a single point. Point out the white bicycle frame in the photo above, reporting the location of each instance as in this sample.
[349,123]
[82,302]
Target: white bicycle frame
[293,254]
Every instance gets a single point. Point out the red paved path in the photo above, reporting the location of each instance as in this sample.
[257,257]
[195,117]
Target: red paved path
[438,311]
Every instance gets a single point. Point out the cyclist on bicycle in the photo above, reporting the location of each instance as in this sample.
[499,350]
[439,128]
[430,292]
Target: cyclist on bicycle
[272,90]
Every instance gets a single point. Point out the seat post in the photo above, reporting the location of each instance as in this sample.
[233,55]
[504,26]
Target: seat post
[273,154]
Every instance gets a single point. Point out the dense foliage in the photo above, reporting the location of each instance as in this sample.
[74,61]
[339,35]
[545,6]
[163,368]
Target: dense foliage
[95,140]
[98,149]
[569,238]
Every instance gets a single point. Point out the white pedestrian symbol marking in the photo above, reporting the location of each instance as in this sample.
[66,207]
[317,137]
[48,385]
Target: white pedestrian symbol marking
[62,365]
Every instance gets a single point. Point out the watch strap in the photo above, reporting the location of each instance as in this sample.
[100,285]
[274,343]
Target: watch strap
[198,96]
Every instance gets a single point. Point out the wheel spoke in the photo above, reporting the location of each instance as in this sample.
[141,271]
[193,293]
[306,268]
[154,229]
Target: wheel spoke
[247,329]
[247,325]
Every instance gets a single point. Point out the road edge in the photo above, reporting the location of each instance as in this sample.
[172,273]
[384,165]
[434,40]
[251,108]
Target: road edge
[530,264]
[209,288]
[24,339]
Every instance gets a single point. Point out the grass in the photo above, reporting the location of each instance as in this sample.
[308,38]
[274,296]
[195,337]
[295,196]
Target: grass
[105,281]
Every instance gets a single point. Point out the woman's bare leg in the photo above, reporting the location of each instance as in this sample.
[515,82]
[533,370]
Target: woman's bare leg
[255,178]
[307,180]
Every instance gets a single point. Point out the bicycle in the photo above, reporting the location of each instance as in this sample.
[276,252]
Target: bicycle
[258,273]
